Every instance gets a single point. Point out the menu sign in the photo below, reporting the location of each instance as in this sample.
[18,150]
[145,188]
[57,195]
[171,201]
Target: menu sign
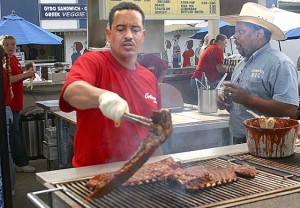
[169,9]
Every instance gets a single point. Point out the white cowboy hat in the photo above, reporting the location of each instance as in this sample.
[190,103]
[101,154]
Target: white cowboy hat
[259,15]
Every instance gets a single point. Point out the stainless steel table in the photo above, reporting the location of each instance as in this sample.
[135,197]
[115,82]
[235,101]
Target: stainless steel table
[65,131]
[48,106]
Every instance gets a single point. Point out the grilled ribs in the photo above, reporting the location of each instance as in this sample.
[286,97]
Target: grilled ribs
[153,172]
[245,171]
[191,178]
[161,129]
[199,177]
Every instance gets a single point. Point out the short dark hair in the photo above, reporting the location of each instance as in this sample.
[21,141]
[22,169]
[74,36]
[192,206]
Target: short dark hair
[190,44]
[220,37]
[124,6]
[28,65]
[267,32]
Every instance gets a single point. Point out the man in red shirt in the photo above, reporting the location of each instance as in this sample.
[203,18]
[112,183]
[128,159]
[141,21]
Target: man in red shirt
[155,64]
[211,63]
[17,76]
[102,86]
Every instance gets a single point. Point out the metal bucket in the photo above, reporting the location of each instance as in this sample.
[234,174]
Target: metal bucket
[271,143]
[207,101]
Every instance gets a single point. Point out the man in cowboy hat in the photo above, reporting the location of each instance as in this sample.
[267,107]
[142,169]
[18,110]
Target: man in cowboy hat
[265,81]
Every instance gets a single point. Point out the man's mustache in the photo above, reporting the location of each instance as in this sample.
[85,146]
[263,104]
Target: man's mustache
[128,42]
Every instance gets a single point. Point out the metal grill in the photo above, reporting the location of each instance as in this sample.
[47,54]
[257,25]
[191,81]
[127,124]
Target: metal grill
[162,194]
[288,167]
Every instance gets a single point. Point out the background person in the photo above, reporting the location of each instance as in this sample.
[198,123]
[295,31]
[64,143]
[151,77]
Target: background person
[32,52]
[197,51]
[155,64]
[205,44]
[8,95]
[113,81]
[176,55]
[167,54]
[188,54]
[265,81]
[31,66]
[17,76]
[211,63]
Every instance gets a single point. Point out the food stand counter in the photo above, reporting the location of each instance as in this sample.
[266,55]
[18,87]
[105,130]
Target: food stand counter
[192,131]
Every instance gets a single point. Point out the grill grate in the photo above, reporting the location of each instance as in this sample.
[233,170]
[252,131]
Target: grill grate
[164,195]
[287,167]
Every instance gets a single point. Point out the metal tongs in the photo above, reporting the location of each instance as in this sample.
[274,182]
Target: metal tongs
[145,122]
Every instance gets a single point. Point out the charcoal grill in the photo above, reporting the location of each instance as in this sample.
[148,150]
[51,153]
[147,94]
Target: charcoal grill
[274,178]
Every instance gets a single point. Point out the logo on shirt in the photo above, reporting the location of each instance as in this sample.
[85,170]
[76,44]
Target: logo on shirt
[148,96]
[256,73]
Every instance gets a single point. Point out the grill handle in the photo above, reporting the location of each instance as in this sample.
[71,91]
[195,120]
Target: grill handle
[33,196]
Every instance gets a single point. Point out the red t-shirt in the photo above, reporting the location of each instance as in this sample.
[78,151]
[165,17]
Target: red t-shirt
[17,87]
[208,60]
[7,98]
[155,64]
[97,140]
[187,57]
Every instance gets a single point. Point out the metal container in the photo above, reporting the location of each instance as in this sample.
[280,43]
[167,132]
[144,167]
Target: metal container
[33,125]
[29,130]
[271,143]
[207,101]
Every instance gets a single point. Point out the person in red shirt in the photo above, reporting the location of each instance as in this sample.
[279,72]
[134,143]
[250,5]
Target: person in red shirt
[188,54]
[17,76]
[8,95]
[101,86]
[155,64]
[211,63]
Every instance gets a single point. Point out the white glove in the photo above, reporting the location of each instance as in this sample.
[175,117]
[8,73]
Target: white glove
[113,106]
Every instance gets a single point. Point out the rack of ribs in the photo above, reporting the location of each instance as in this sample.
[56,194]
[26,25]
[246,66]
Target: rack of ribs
[199,177]
[160,128]
[191,178]
[153,172]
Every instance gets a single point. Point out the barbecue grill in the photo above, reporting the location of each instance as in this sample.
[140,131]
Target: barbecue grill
[276,177]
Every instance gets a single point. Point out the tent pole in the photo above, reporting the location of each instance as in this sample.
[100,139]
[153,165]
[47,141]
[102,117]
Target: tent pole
[5,168]
[231,46]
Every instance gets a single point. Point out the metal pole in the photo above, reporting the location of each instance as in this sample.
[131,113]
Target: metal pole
[5,168]
[279,45]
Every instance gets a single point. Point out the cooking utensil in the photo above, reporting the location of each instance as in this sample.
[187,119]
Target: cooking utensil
[221,81]
[253,114]
[205,80]
[198,81]
[145,122]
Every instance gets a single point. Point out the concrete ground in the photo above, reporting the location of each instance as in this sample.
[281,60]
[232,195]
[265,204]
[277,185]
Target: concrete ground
[26,182]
